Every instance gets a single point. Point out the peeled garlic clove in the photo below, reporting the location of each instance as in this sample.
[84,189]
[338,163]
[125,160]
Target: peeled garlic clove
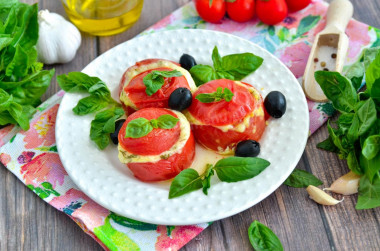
[321,197]
[347,184]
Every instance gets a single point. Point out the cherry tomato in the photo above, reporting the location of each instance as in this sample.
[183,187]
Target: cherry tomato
[241,10]
[271,11]
[296,5]
[135,89]
[213,13]
[222,113]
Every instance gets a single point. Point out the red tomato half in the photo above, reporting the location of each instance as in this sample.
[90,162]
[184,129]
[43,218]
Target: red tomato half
[296,5]
[157,141]
[271,12]
[213,13]
[241,10]
[223,113]
[135,88]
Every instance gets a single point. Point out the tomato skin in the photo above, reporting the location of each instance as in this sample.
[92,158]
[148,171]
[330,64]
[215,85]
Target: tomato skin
[271,12]
[151,144]
[241,10]
[166,168]
[296,5]
[211,14]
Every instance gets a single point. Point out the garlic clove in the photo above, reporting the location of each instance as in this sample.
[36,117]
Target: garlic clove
[347,184]
[321,197]
[58,39]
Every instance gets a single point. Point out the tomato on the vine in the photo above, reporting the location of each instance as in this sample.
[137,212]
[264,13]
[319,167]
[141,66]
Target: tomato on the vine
[271,11]
[241,10]
[211,10]
[296,5]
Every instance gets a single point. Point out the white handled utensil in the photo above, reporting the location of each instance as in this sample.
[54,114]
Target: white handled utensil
[329,49]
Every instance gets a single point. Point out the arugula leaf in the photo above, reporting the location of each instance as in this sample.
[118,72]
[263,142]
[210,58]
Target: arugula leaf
[369,193]
[141,127]
[371,146]
[300,178]
[185,182]
[233,169]
[338,89]
[100,126]
[328,145]
[234,67]
[262,238]
[155,80]
[219,95]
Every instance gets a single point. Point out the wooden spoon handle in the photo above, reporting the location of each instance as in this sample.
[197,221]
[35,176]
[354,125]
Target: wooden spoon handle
[339,14]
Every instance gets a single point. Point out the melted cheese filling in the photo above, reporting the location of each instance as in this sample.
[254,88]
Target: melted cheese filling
[127,157]
[129,75]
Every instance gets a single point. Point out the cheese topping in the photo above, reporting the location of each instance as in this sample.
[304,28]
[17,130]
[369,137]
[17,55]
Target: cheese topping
[241,127]
[134,71]
[127,157]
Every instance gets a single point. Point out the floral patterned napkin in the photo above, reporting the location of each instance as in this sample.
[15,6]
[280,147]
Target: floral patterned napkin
[32,156]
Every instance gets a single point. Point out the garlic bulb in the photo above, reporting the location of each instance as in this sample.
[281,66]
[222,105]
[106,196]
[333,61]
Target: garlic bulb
[58,39]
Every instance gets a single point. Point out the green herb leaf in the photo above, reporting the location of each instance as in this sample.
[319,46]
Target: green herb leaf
[338,89]
[90,104]
[336,140]
[167,121]
[355,73]
[373,72]
[155,80]
[77,82]
[138,128]
[206,182]
[367,115]
[353,162]
[371,146]
[300,178]
[233,169]
[216,96]
[216,59]
[99,132]
[369,193]
[185,182]
[262,238]
[202,74]
[328,145]
[370,167]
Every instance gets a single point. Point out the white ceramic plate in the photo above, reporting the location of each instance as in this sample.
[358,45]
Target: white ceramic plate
[102,177]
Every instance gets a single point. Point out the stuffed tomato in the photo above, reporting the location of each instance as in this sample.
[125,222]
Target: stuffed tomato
[136,90]
[225,112]
[156,144]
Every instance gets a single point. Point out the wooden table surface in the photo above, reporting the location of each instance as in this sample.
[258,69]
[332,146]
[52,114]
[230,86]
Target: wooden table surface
[28,223]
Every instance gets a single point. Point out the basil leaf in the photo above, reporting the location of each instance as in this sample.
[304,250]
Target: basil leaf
[353,131]
[233,169]
[155,80]
[206,97]
[241,65]
[89,104]
[228,94]
[367,115]
[369,54]
[353,162]
[328,145]
[300,178]
[100,128]
[77,82]
[375,93]
[206,182]
[371,167]
[166,121]
[335,139]
[373,72]
[338,89]
[371,146]
[262,238]
[369,193]
[138,128]
[216,96]
[185,182]
[355,74]
[19,64]
[216,59]
[202,74]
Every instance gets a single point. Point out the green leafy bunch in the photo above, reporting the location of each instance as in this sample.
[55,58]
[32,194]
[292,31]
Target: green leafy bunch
[219,95]
[99,100]
[22,80]
[356,137]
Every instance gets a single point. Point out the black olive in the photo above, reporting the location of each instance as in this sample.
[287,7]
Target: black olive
[186,61]
[180,99]
[114,135]
[247,148]
[275,104]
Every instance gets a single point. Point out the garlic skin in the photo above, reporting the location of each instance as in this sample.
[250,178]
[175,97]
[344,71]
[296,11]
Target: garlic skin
[321,197]
[58,39]
[347,184]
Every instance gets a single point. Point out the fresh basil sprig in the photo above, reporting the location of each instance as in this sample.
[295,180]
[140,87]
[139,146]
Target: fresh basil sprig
[220,94]
[141,127]
[99,100]
[155,80]
[262,238]
[234,67]
[356,135]
[231,169]
[300,178]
